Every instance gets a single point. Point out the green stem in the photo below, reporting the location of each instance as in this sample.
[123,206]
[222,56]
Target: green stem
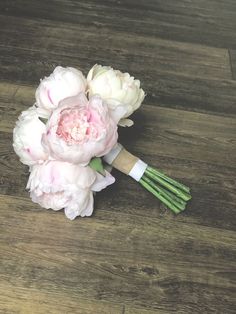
[184,196]
[168,195]
[174,197]
[168,179]
[159,196]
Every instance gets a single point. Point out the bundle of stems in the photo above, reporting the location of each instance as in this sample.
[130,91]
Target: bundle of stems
[173,194]
[170,192]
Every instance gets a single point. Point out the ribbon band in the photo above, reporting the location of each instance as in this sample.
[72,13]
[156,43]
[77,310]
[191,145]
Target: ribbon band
[125,162]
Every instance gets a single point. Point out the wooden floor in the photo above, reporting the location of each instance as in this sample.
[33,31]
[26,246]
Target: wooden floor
[132,255]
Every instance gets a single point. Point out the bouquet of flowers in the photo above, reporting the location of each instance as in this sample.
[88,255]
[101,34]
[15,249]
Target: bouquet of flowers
[69,135]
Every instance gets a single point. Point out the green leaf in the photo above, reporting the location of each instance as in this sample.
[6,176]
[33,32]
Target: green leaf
[96,164]
[44,120]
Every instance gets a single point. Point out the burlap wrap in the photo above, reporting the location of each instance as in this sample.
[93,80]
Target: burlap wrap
[125,161]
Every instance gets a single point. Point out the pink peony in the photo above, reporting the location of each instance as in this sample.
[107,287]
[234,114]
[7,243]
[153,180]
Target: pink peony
[58,185]
[79,130]
[27,136]
[62,83]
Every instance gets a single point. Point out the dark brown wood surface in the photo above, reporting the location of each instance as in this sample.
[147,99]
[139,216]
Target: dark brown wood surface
[132,255]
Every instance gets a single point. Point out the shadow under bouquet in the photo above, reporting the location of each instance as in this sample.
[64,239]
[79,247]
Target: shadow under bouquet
[71,132]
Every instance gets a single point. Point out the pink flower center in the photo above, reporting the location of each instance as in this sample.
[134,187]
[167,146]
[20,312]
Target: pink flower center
[77,125]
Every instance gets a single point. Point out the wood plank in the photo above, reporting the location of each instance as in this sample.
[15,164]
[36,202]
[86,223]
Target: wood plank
[133,255]
[209,22]
[191,93]
[14,98]
[185,76]
[172,91]
[130,310]
[16,299]
[112,48]
[188,146]
[232,54]
[143,266]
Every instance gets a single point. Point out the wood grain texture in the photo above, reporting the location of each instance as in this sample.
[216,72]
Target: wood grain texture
[132,256]
[171,56]
[232,54]
[131,271]
[210,22]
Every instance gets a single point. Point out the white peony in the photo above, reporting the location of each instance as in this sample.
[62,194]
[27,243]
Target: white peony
[27,136]
[116,88]
[62,83]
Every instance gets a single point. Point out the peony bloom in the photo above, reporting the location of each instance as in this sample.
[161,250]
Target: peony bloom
[62,83]
[27,136]
[79,130]
[116,88]
[59,185]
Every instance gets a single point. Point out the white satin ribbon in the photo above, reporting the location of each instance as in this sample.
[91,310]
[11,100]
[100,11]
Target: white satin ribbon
[138,170]
[111,156]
